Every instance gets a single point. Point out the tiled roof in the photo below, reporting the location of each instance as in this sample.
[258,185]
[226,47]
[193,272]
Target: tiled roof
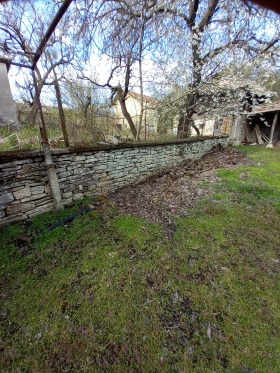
[145,98]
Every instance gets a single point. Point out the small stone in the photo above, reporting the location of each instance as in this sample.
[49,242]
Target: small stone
[78,196]
[67,195]
[190,351]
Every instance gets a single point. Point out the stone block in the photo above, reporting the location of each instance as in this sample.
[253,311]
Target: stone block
[23,193]
[79,171]
[12,219]
[78,196]
[67,195]
[43,201]
[23,161]
[80,158]
[5,199]
[37,189]
[68,201]
[64,174]
[34,197]
[40,209]
[17,208]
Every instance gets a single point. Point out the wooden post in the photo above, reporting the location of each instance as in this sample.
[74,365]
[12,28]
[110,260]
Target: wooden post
[258,134]
[235,131]
[270,143]
[247,134]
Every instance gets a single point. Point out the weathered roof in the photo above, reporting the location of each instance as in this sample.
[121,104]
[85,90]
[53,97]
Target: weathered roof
[149,99]
[265,108]
[247,84]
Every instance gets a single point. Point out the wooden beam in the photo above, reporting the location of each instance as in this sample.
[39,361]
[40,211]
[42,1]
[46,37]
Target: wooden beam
[270,143]
[247,134]
[258,133]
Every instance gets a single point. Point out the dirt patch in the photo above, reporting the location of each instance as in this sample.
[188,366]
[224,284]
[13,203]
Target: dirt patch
[162,198]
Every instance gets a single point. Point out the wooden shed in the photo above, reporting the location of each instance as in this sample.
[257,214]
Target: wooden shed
[263,124]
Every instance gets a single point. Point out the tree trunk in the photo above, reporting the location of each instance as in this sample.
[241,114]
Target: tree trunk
[35,108]
[53,179]
[128,118]
[140,51]
[187,122]
[61,113]
[184,127]
[185,119]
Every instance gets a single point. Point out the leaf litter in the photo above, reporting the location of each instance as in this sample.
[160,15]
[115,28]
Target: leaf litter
[171,194]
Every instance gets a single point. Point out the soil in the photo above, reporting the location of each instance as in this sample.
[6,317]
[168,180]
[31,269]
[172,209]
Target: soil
[172,194]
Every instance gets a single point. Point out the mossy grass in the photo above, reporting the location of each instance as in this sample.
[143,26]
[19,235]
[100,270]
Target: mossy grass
[110,293]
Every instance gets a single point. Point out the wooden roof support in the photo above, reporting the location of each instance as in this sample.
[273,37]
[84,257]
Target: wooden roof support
[270,143]
[258,134]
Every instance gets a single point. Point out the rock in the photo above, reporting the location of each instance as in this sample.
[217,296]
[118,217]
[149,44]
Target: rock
[190,351]
[68,201]
[67,195]
[23,193]
[17,208]
[5,199]
[78,196]
[34,198]
[37,189]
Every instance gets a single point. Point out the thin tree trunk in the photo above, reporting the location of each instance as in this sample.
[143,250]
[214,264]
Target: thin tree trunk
[128,118]
[61,113]
[35,108]
[140,51]
[54,184]
[145,121]
[60,106]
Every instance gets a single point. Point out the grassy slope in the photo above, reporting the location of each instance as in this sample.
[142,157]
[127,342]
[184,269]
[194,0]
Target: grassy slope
[114,294]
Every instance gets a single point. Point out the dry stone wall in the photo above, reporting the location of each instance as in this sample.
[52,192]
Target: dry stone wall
[24,186]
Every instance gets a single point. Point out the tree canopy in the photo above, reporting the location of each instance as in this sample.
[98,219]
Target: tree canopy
[169,48]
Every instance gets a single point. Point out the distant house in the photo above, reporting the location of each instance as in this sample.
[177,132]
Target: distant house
[133,104]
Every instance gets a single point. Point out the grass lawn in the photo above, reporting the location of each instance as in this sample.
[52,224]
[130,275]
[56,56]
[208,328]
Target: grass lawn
[112,293]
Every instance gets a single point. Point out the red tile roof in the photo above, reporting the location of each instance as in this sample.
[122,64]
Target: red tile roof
[149,99]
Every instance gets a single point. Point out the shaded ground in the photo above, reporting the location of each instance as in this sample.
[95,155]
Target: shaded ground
[164,197]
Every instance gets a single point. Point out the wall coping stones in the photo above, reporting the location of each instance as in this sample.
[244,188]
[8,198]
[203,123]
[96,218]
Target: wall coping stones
[7,156]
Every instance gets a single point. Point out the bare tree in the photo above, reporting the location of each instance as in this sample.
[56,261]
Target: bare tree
[22,27]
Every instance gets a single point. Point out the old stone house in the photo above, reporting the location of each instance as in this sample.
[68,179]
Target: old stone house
[224,104]
[133,104]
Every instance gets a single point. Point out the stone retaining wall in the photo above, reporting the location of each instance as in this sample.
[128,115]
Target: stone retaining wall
[24,186]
